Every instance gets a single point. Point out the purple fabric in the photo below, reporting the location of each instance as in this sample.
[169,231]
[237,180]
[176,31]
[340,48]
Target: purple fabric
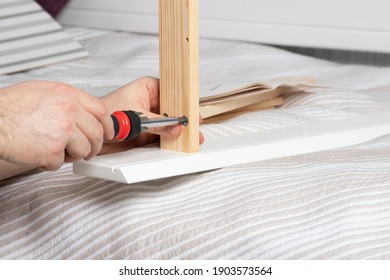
[53,7]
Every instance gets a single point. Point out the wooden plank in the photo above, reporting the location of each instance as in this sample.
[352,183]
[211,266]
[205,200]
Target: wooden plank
[150,162]
[179,70]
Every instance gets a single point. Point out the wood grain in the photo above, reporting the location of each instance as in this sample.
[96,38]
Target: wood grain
[179,70]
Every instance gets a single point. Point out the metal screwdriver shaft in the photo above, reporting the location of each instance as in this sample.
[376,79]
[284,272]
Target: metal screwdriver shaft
[129,124]
[161,122]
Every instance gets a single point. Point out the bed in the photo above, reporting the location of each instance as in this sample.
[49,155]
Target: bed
[325,205]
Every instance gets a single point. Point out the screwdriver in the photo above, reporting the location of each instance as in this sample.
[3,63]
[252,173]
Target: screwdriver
[129,124]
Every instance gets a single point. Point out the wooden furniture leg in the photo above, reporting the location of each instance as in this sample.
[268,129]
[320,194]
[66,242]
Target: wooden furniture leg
[179,69]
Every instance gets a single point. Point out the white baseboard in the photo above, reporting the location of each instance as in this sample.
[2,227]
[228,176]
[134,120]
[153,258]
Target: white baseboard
[334,25]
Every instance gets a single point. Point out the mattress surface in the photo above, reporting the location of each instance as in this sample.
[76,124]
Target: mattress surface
[326,205]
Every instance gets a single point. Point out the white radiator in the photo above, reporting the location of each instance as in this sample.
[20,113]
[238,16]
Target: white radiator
[30,38]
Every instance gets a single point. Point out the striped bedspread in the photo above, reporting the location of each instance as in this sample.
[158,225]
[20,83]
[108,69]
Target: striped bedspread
[326,205]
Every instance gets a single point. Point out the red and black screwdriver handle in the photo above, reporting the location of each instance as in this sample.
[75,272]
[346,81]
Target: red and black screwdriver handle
[127,125]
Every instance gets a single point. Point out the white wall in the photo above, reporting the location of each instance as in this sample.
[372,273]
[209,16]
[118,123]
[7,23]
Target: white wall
[342,24]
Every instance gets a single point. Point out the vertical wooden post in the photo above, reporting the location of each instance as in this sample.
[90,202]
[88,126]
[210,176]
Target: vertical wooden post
[179,69]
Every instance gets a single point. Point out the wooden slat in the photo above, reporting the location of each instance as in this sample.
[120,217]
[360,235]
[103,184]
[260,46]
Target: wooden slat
[263,105]
[179,71]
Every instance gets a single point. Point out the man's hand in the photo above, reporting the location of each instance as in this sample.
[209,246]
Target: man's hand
[142,95]
[44,124]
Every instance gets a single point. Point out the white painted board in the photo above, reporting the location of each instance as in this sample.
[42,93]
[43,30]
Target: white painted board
[29,38]
[358,25]
[149,163]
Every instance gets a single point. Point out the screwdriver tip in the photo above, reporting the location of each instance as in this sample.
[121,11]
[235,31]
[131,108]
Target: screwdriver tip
[183,121]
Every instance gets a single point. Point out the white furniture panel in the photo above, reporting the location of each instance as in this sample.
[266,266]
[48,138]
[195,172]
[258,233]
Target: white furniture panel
[148,163]
[351,25]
